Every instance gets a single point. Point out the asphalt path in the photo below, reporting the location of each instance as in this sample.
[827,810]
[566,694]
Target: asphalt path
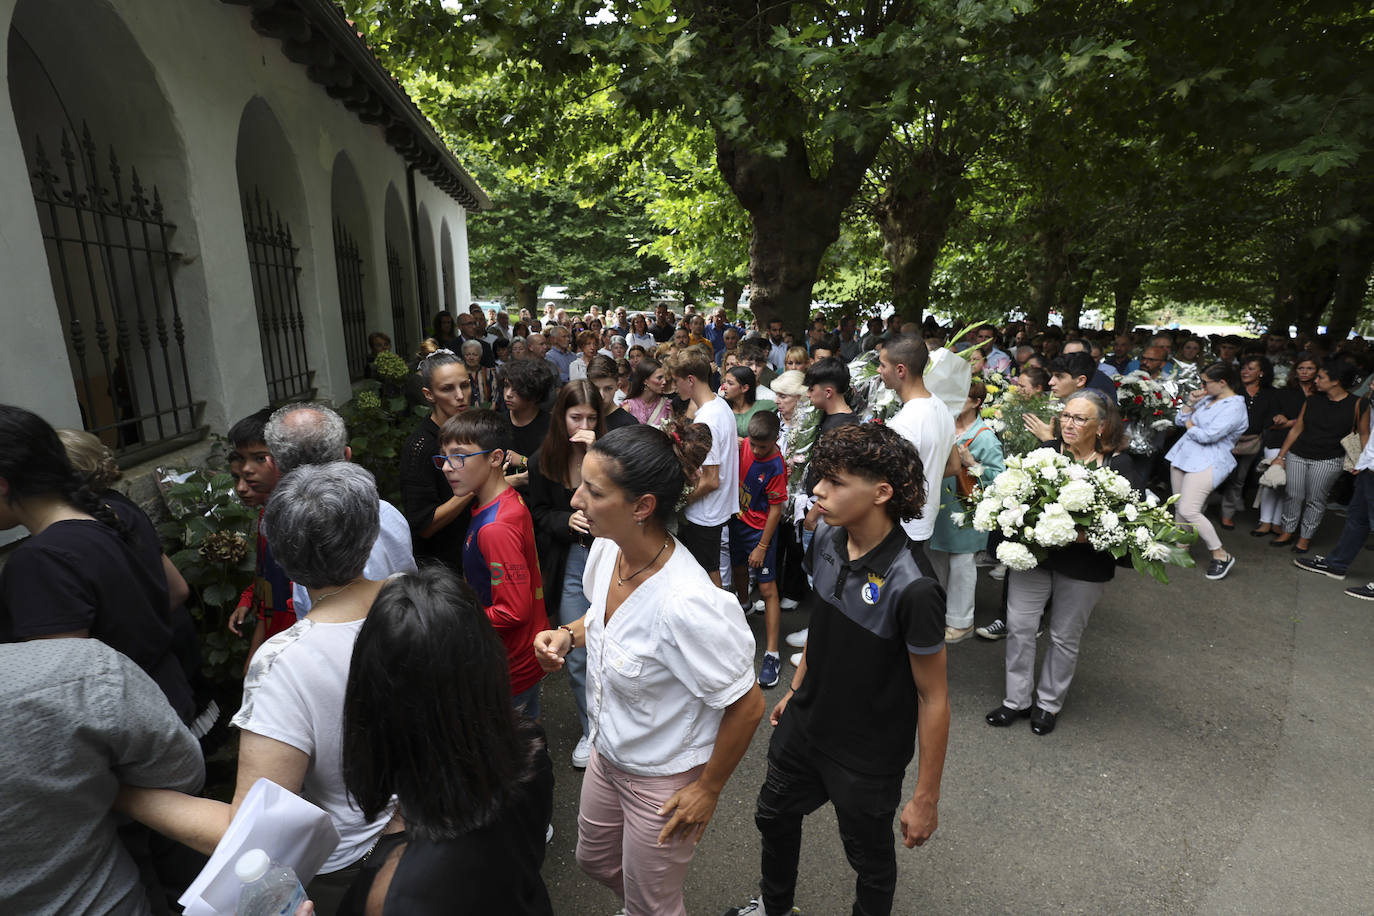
[1215,755]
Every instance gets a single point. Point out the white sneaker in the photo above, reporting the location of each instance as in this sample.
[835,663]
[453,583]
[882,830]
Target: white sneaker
[795,660]
[798,639]
[759,606]
[582,754]
[787,603]
[548,835]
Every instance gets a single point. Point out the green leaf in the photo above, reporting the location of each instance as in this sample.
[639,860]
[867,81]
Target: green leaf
[220,595]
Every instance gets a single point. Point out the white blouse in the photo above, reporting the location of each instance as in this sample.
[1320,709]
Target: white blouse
[660,675]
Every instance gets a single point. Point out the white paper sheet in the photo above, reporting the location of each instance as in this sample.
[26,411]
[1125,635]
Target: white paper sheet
[290,829]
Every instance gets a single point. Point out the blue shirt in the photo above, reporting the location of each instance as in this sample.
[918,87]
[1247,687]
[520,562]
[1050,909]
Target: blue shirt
[1216,427]
[561,359]
[717,336]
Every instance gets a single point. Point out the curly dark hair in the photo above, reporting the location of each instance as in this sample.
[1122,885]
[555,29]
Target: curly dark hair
[875,452]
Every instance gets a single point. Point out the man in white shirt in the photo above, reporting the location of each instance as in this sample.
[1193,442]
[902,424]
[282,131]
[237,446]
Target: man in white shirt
[924,421]
[305,433]
[716,495]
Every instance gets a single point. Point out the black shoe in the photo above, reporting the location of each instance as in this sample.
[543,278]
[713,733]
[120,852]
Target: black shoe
[1003,716]
[1226,527]
[1320,565]
[1217,569]
[1363,592]
[1256,533]
[1297,549]
[1042,723]
[1287,543]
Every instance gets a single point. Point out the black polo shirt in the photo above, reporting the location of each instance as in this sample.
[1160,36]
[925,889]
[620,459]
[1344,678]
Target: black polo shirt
[858,703]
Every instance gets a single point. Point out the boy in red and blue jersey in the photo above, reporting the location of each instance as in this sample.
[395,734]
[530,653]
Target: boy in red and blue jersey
[499,560]
[268,599]
[753,532]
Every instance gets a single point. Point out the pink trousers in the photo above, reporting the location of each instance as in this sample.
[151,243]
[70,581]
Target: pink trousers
[617,837]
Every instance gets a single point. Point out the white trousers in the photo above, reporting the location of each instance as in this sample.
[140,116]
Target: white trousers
[958,576]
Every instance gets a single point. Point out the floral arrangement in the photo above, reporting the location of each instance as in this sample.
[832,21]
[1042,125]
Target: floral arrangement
[801,438]
[1045,500]
[870,398]
[1146,401]
[1006,408]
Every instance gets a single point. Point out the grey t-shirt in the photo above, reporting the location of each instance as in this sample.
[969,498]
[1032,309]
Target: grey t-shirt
[77,720]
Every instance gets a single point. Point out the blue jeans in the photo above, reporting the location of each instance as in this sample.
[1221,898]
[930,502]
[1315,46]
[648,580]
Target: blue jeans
[528,703]
[573,606]
[1359,519]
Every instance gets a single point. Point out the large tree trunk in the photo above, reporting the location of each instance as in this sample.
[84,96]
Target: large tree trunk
[913,213]
[1308,288]
[1123,295]
[1073,289]
[1352,282]
[1045,275]
[795,219]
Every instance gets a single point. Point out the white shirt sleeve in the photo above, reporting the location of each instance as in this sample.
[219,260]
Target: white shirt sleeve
[274,705]
[708,647]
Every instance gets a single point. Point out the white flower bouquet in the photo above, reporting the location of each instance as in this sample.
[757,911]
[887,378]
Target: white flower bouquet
[870,398]
[1045,500]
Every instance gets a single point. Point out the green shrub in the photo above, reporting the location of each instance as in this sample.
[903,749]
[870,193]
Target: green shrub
[210,538]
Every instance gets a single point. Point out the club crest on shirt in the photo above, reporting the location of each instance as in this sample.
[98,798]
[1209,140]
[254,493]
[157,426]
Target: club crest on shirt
[873,589]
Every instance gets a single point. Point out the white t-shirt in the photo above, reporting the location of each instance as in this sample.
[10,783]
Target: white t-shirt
[294,693]
[390,554]
[927,424]
[577,369]
[641,340]
[715,508]
[676,653]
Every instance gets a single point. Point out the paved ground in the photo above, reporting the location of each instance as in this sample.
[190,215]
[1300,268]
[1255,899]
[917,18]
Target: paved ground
[1214,757]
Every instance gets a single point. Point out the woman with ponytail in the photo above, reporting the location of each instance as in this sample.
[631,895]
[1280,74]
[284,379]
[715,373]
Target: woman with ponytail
[82,572]
[671,698]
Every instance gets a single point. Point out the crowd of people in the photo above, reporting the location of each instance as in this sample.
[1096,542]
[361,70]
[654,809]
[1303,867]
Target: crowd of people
[605,500]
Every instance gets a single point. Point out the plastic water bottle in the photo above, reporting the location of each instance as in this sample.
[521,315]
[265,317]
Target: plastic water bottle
[269,888]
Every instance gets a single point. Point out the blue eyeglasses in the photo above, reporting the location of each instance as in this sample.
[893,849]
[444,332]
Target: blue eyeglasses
[443,461]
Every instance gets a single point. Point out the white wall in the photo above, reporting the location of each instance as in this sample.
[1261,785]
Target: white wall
[208,64]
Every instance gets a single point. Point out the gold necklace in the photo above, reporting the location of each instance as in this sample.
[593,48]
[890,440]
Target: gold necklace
[320,599]
[620,581]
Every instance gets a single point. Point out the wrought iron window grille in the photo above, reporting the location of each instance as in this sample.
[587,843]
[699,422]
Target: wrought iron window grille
[112,268]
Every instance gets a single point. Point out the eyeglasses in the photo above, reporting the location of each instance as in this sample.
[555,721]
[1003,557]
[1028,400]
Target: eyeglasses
[1068,419]
[443,461]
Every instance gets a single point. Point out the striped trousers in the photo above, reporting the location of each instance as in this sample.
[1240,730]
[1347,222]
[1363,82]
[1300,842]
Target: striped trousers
[1309,483]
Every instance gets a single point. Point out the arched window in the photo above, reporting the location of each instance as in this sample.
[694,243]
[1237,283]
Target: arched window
[110,191]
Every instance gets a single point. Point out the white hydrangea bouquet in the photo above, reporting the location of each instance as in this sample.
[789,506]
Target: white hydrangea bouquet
[1046,500]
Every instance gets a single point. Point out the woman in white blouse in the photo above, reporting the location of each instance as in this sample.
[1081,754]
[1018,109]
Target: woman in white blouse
[639,335]
[671,698]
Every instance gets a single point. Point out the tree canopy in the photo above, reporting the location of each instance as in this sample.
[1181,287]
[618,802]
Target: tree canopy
[980,157]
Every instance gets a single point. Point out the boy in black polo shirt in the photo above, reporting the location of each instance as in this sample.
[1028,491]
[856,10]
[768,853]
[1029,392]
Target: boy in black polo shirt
[871,685]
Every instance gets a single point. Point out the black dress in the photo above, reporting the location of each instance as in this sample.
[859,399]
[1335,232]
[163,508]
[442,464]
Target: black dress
[423,490]
[550,508]
[490,870]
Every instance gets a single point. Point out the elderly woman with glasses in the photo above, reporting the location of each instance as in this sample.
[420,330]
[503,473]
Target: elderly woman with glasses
[321,524]
[1090,432]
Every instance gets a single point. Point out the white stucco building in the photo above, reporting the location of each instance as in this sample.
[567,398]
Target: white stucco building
[247,124]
